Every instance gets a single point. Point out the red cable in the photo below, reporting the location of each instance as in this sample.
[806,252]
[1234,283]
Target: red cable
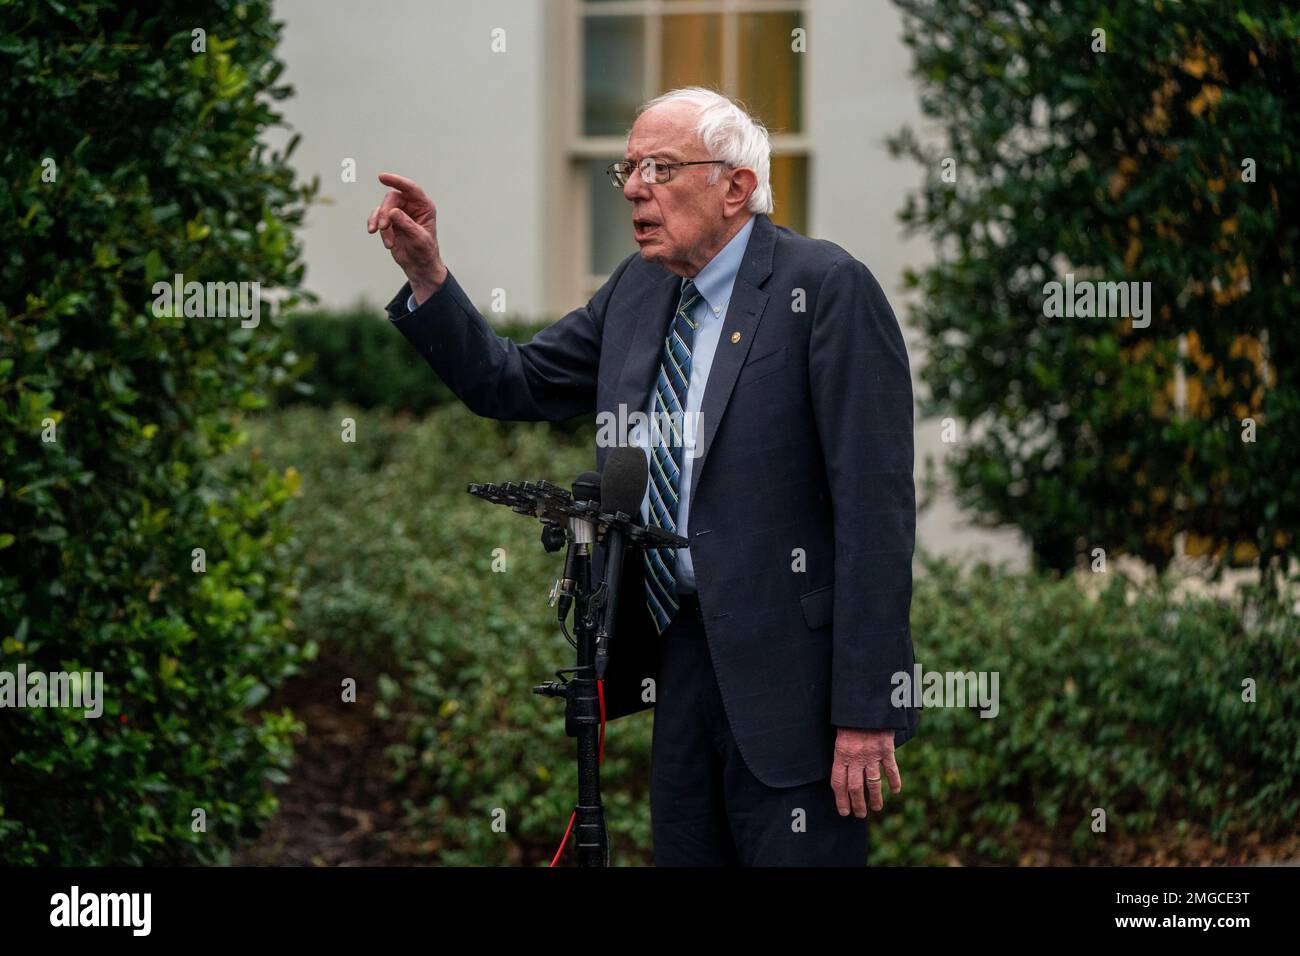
[568,829]
[600,692]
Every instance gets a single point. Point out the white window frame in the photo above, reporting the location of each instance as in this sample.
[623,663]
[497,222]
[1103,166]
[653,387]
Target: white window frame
[580,147]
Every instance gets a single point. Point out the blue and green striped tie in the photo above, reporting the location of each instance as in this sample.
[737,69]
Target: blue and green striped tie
[666,456]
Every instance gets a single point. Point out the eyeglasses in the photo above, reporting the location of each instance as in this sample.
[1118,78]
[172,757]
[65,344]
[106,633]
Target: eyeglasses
[652,170]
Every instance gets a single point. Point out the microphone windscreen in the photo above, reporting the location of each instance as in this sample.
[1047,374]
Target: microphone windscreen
[586,487]
[623,482]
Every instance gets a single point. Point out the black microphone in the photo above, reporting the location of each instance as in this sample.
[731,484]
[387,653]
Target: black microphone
[623,482]
[622,486]
[587,487]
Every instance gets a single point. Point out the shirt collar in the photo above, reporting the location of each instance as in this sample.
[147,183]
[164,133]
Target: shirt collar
[715,281]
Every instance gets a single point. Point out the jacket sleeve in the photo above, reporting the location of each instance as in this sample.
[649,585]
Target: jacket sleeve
[862,403]
[551,378]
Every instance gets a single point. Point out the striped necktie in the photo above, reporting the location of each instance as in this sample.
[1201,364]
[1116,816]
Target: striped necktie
[666,456]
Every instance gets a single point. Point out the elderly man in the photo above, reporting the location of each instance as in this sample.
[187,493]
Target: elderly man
[768,648]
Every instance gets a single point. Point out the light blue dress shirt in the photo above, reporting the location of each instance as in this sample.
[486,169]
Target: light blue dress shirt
[714,283]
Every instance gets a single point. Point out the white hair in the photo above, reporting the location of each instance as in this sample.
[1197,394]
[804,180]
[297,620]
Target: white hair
[729,134]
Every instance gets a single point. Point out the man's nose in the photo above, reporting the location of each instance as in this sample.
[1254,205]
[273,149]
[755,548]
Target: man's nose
[635,188]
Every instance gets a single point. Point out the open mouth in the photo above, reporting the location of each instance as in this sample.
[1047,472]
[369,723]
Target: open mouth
[643,229]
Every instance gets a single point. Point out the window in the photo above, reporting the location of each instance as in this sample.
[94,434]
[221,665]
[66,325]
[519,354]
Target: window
[632,50]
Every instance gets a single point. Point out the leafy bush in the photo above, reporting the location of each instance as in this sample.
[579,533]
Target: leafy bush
[401,595]
[349,357]
[1169,158]
[130,156]
[1130,702]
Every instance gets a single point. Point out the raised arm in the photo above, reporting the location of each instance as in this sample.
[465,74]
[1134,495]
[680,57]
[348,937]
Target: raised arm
[551,378]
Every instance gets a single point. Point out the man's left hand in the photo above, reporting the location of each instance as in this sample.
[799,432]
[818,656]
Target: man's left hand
[860,756]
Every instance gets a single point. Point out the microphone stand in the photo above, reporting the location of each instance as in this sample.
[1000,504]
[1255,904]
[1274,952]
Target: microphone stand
[582,717]
[593,622]
[580,693]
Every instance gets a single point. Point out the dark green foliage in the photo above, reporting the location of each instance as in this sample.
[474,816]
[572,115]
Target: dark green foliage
[157,170]
[401,593]
[1133,707]
[1130,702]
[1127,165]
[357,357]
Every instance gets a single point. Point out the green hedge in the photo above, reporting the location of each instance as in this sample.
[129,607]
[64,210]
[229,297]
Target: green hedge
[1130,703]
[355,356]
[127,157]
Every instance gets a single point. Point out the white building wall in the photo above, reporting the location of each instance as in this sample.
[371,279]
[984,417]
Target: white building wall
[413,87]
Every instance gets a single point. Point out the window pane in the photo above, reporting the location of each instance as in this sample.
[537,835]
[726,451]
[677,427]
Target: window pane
[771,74]
[691,54]
[611,219]
[790,192]
[613,70]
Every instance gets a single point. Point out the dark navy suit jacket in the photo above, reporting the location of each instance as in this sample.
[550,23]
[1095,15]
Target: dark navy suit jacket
[803,509]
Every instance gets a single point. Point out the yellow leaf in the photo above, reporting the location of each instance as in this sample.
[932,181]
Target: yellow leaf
[1206,99]
[1131,254]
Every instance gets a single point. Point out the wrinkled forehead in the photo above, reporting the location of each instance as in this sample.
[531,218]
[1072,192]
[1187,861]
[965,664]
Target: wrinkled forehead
[665,132]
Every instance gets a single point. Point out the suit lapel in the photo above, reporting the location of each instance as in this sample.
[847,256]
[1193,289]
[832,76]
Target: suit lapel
[642,362]
[744,313]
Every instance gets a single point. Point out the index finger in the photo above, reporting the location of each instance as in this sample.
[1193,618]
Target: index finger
[400,183]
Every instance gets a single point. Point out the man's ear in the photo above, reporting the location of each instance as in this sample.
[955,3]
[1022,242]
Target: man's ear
[741,184]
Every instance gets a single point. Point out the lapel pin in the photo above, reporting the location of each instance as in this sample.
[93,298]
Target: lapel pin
[735,337]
